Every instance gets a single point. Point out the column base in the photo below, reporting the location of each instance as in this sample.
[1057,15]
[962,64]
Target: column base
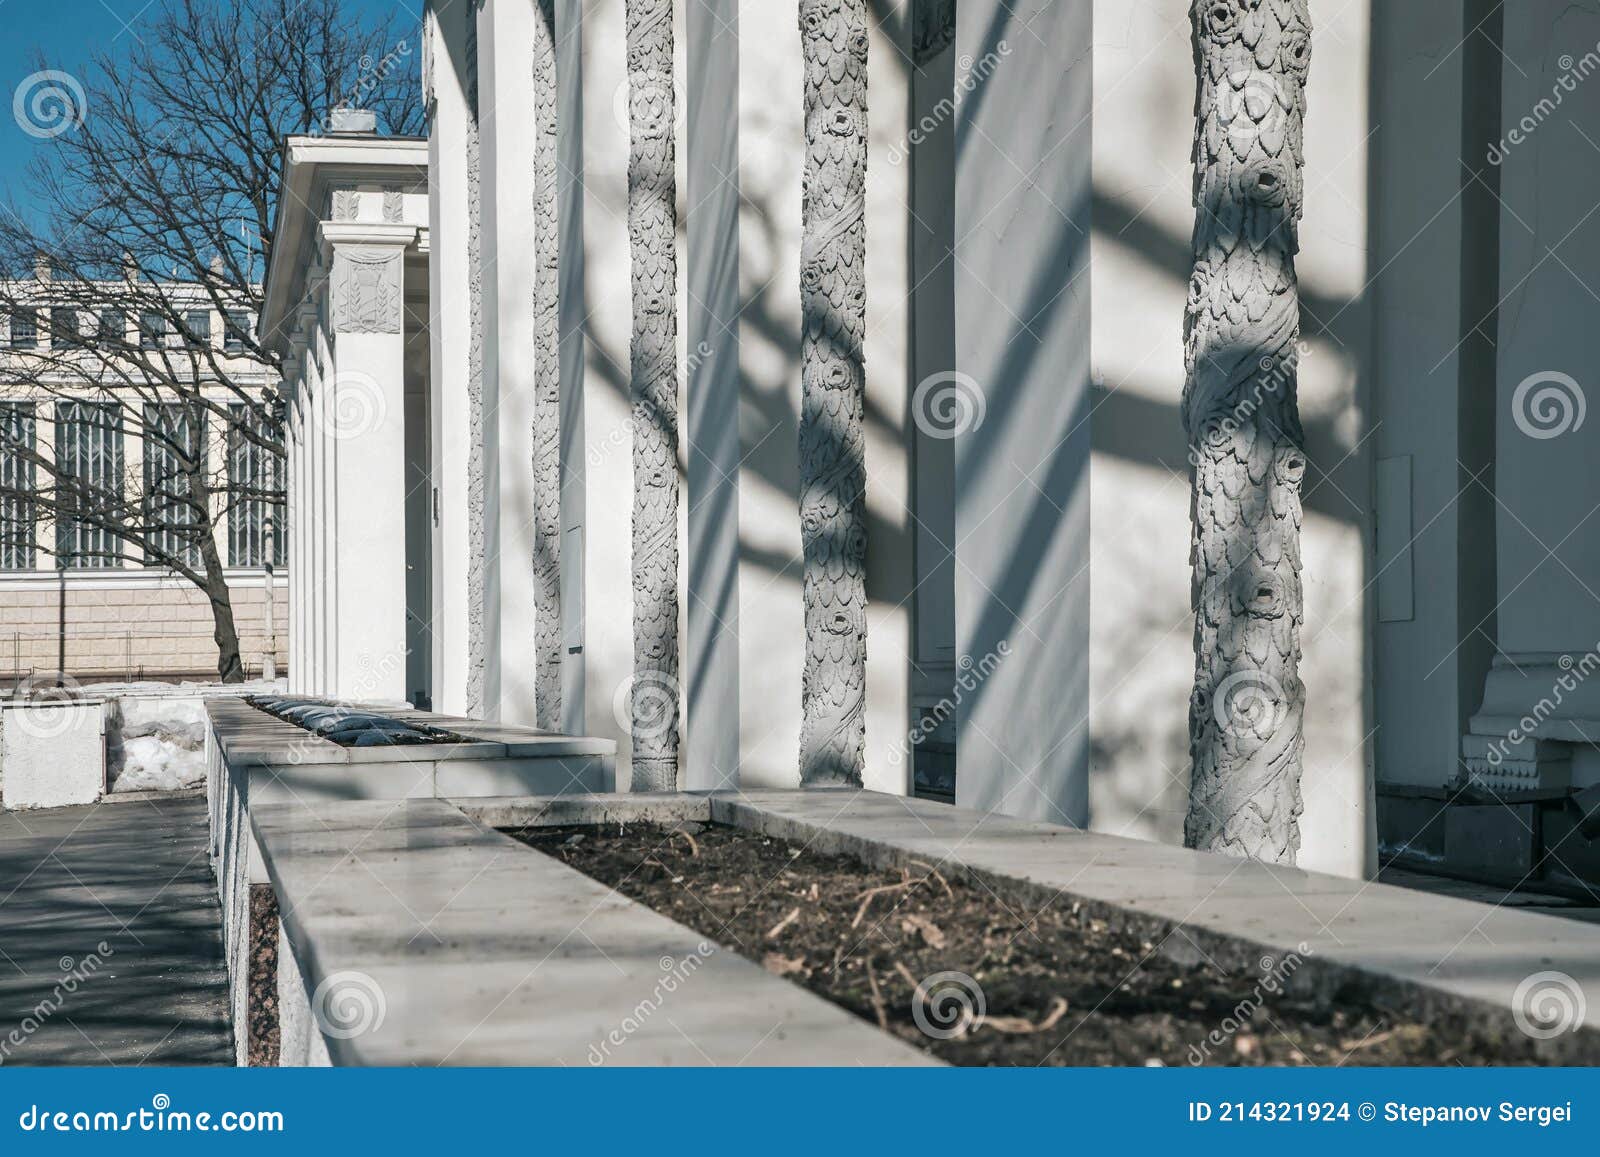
[1540,712]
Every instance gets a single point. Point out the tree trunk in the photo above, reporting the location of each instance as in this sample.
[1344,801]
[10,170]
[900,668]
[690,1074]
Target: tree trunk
[652,232]
[547,382]
[229,664]
[832,378]
[1239,410]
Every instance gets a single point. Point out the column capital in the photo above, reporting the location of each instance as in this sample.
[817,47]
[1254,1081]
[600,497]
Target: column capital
[366,282]
[336,235]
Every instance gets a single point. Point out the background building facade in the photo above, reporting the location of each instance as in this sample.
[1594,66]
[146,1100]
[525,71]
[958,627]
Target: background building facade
[74,595]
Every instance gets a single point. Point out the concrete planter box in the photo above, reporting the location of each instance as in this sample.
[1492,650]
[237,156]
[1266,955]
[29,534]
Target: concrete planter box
[414,933]
[52,752]
[255,761]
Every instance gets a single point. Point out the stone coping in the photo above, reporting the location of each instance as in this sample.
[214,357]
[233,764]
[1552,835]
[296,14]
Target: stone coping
[1425,952]
[250,737]
[551,811]
[424,938]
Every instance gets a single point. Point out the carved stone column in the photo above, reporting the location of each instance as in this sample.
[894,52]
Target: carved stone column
[833,292]
[477,446]
[1239,411]
[652,233]
[547,379]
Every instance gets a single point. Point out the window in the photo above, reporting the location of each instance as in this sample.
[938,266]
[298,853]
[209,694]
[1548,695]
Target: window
[152,330]
[236,331]
[255,493]
[174,445]
[113,328]
[89,479]
[197,327]
[64,331]
[17,510]
[24,330]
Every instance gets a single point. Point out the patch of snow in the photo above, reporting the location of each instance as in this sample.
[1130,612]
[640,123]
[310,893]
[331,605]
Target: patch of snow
[156,732]
[151,763]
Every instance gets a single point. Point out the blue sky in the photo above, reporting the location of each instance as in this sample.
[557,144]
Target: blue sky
[70,31]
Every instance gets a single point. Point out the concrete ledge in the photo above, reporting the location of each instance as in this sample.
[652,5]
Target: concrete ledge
[449,920]
[251,736]
[283,762]
[420,937]
[254,759]
[521,811]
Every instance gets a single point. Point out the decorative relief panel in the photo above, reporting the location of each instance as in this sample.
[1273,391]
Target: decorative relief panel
[365,290]
[344,205]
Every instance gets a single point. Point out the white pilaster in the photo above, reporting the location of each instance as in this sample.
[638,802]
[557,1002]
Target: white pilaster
[505,61]
[322,625]
[711,571]
[449,415]
[364,433]
[294,493]
[1022,510]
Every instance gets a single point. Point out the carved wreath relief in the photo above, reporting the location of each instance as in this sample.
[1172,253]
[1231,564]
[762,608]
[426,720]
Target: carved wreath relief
[1241,330]
[832,373]
[652,232]
[366,293]
[547,381]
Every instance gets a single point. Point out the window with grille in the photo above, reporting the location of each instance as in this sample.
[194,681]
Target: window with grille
[24,330]
[237,332]
[17,509]
[237,329]
[113,328]
[89,482]
[197,327]
[63,327]
[152,330]
[255,483]
[174,446]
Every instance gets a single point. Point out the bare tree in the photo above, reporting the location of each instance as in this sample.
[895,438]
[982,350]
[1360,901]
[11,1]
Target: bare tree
[833,292]
[154,201]
[1243,425]
[652,233]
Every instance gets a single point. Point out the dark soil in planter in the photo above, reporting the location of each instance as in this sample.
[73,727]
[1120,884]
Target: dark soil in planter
[1058,987]
[262,1026]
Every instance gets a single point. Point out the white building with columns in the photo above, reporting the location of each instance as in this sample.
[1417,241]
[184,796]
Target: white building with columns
[1027,213]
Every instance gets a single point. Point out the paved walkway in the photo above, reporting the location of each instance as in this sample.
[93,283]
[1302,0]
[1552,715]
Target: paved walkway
[1525,900]
[111,937]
